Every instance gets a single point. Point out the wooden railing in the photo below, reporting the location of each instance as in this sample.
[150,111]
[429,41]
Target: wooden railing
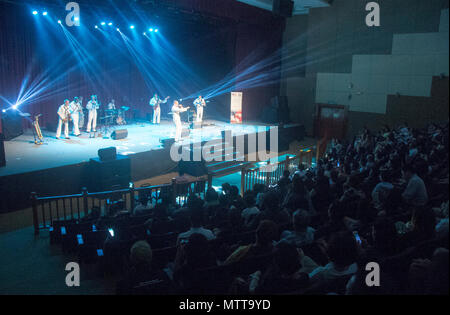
[74,207]
[271,173]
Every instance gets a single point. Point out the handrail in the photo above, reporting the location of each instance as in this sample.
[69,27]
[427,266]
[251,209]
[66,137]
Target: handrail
[64,207]
[269,174]
[219,173]
[321,147]
[179,191]
[60,197]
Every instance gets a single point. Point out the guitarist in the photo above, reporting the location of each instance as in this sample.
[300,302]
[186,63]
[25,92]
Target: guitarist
[76,109]
[155,103]
[64,117]
[92,107]
[199,103]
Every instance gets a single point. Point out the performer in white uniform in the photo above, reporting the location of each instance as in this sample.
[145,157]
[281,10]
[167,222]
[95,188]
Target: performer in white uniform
[199,103]
[92,107]
[155,102]
[64,117]
[176,110]
[76,109]
[81,121]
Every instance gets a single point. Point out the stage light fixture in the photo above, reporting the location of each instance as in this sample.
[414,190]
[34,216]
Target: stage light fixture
[77,18]
[4,110]
[110,23]
[35,12]
[14,106]
[45,13]
[59,22]
[132,27]
[117,29]
[96,26]
[150,29]
[156,30]
[144,33]
[102,23]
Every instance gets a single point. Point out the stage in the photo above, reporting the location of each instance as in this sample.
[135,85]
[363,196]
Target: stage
[60,167]
[23,156]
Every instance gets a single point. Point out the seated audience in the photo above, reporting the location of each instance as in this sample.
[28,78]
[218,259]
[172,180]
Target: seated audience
[193,254]
[197,218]
[251,211]
[382,190]
[141,273]
[284,276]
[160,223]
[342,252]
[265,236]
[415,193]
[302,234]
[390,186]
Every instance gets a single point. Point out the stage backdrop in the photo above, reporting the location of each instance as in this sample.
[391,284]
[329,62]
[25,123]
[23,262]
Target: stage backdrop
[42,63]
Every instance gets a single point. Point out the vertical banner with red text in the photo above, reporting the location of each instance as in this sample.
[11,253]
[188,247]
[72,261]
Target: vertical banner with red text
[236,108]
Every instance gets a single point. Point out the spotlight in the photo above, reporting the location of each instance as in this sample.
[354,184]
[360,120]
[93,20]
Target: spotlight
[35,12]
[45,13]
[96,26]
[3,110]
[132,27]
[150,29]
[156,30]
[110,23]
[77,18]
[118,29]
[144,33]
[102,23]
[14,106]
[59,22]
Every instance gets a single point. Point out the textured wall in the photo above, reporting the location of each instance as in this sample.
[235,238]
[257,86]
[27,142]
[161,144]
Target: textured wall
[348,63]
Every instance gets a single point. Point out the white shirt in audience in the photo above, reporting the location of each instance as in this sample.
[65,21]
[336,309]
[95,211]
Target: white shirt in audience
[329,272]
[249,212]
[199,230]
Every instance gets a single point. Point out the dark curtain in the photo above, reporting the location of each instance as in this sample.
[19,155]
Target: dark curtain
[223,47]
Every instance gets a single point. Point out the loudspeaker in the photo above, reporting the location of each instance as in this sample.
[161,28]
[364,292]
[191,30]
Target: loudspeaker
[119,134]
[109,175]
[11,125]
[194,168]
[269,115]
[107,154]
[2,152]
[283,7]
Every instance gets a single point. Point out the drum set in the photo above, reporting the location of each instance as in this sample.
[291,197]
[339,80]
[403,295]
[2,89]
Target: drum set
[110,117]
[115,116]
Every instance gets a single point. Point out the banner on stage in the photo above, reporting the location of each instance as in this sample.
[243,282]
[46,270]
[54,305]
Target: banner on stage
[236,108]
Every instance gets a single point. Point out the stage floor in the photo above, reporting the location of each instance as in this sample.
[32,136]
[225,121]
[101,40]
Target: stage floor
[22,155]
